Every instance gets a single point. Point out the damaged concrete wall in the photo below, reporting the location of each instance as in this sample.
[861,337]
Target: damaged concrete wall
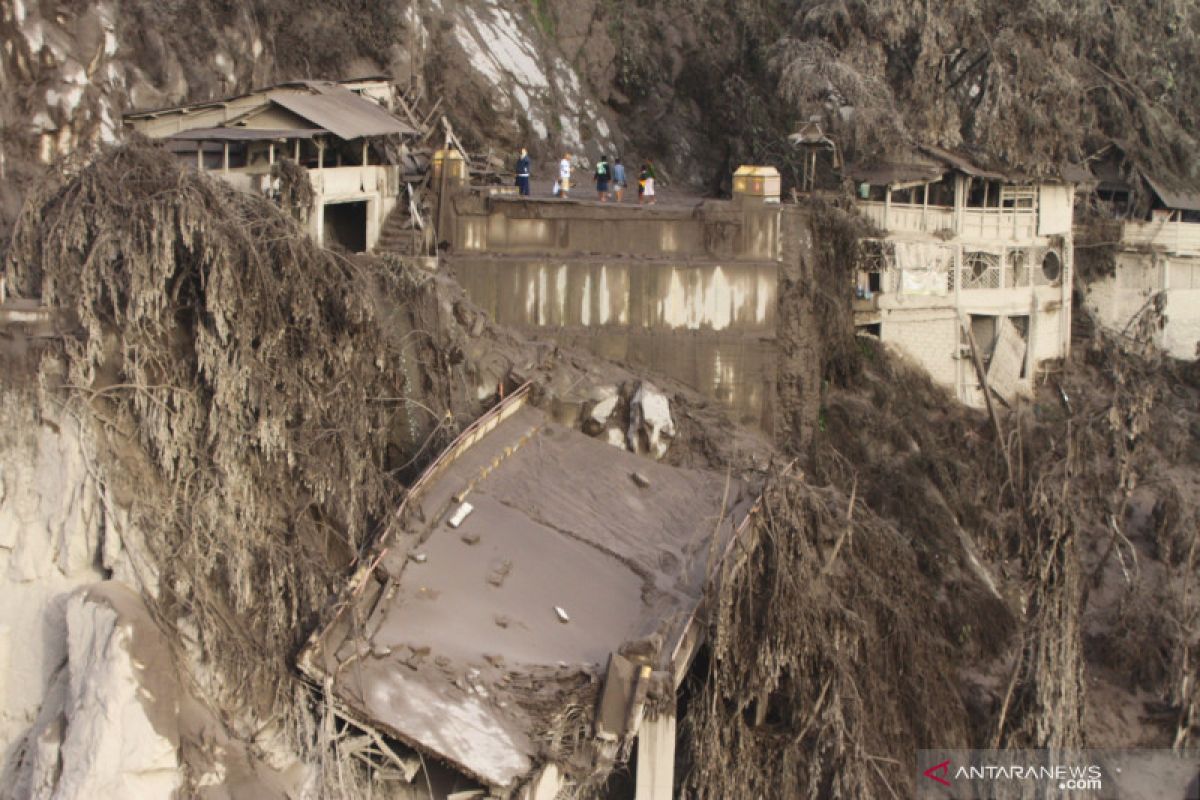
[707,326]
[687,292]
[930,338]
[928,331]
[595,291]
[1116,299]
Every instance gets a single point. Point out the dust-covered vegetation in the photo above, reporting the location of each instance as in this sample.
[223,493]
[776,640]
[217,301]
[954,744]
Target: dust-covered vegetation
[961,581]
[1028,85]
[824,662]
[260,401]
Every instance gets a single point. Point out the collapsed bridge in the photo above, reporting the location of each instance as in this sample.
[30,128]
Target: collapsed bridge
[534,608]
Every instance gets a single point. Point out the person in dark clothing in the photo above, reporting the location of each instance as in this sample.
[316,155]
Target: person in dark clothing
[523,172]
[602,178]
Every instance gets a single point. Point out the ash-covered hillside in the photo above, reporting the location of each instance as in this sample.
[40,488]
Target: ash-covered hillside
[700,87]
[210,421]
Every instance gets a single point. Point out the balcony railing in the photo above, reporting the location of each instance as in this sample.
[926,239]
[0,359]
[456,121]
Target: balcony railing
[1010,224]
[928,268]
[1182,238]
[1000,224]
[327,182]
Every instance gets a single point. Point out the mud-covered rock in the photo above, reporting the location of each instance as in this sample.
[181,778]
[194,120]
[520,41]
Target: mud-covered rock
[651,428]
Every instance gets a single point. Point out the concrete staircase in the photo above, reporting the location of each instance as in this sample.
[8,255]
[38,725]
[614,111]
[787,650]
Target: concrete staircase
[398,236]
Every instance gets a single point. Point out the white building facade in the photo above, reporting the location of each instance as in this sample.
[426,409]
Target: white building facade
[968,260]
[1158,253]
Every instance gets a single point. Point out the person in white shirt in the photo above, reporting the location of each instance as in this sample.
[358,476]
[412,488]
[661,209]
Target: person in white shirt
[564,176]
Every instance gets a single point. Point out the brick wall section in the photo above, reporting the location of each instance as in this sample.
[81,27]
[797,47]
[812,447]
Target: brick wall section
[930,338]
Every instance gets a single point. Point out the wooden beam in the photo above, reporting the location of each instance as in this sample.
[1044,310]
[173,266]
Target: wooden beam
[965,322]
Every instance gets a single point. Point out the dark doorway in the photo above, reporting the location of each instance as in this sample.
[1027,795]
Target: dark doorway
[346,226]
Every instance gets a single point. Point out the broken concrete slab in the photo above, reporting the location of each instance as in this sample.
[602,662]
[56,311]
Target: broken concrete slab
[599,410]
[565,527]
[460,514]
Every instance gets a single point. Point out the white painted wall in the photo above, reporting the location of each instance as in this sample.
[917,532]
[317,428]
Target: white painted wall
[1181,335]
[929,337]
[1116,299]
[925,324]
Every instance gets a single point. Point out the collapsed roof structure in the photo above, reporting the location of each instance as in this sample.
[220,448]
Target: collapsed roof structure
[534,607]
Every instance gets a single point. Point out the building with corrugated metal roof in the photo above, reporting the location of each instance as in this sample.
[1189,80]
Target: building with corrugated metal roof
[344,133]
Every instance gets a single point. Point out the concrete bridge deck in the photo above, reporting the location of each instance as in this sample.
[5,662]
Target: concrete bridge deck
[526,559]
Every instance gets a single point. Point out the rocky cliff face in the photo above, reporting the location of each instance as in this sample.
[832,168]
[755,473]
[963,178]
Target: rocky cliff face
[68,71]
[583,76]
[94,700]
[50,543]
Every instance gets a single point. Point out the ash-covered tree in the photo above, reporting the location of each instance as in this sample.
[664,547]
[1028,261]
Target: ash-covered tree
[1030,84]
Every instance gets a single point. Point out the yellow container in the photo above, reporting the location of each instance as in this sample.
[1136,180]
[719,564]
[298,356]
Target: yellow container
[758,183]
[452,162]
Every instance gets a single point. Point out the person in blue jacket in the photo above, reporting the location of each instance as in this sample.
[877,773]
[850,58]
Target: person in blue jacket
[619,184]
[523,172]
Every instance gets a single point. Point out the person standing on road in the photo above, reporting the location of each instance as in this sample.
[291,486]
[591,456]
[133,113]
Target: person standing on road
[564,176]
[618,171]
[523,172]
[602,179]
[646,184]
